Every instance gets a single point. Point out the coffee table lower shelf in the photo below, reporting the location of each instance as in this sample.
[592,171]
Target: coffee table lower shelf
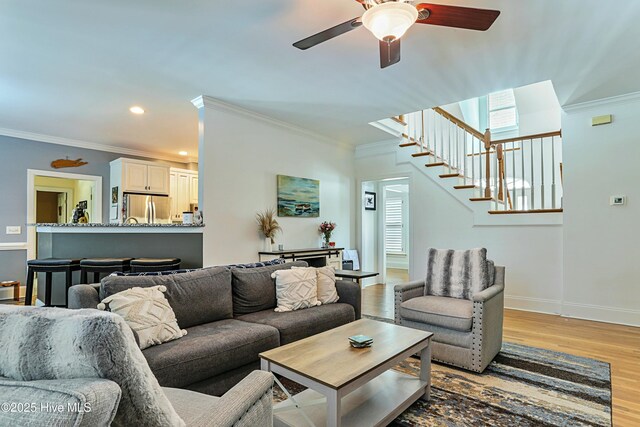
[376,403]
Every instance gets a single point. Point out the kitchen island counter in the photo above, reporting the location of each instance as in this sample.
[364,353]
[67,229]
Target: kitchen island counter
[117,228]
[117,241]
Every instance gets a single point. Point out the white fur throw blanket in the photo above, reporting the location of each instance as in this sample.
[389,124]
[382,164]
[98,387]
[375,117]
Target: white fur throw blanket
[456,274]
[52,343]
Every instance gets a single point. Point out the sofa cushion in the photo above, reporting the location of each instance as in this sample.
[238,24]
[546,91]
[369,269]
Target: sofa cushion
[451,313]
[254,289]
[194,408]
[208,350]
[296,289]
[147,312]
[295,325]
[456,274]
[197,297]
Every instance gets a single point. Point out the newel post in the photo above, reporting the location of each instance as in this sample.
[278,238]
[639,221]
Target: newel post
[487,146]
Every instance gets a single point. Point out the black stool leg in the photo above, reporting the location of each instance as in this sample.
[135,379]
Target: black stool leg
[69,279]
[47,296]
[83,276]
[29,294]
[96,277]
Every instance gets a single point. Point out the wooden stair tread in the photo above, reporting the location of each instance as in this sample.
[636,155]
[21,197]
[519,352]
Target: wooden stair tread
[408,144]
[532,211]
[424,153]
[430,165]
[481,199]
[463,187]
[451,175]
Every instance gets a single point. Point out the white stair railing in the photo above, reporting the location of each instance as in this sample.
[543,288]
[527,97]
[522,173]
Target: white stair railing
[517,174]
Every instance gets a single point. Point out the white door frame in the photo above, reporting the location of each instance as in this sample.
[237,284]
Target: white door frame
[380,226]
[31,201]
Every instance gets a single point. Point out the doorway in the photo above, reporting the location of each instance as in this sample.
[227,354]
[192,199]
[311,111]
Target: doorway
[385,241]
[52,205]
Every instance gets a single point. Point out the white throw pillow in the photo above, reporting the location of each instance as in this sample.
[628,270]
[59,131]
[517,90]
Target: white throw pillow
[147,312]
[296,289]
[327,293]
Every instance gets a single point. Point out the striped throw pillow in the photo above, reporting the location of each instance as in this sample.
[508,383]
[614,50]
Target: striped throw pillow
[456,274]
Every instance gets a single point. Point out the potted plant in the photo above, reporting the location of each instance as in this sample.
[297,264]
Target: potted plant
[268,227]
[326,228]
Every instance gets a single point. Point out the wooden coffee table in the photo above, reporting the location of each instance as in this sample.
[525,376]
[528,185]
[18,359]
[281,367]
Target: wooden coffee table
[349,386]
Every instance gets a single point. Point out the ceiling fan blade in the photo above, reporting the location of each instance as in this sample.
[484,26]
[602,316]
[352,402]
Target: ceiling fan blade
[389,53]
[456,16]
[325,35]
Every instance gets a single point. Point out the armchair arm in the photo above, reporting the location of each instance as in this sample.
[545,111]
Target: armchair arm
[84,296]
[350,293]
[488,293]
[248,403]
[405,292]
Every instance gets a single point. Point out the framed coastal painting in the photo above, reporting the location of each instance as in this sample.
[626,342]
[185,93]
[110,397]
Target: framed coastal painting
[298,197]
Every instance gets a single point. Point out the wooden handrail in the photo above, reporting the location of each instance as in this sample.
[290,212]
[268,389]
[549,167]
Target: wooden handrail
[399,120]
[526,137]
[458,122]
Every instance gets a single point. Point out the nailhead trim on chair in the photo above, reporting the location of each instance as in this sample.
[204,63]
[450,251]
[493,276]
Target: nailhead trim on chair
[476,334]
[270,390]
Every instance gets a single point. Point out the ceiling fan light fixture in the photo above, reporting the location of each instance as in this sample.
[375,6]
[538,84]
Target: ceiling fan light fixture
[389,21]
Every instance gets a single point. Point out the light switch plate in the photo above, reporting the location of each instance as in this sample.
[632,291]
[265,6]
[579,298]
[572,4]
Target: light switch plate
[14,229]
[617,200]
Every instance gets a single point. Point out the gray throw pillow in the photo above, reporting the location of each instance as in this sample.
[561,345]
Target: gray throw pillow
[456,274]
[254,289]
[197,297]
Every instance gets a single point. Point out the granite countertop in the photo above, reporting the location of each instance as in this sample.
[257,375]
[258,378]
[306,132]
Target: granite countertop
[89,225]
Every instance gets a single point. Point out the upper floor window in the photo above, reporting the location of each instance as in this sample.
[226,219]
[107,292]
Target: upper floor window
[503,113]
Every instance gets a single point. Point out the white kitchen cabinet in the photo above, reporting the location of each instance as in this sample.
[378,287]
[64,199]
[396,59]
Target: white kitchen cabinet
[158,179]
[134,178]
[183,192]
[138,176]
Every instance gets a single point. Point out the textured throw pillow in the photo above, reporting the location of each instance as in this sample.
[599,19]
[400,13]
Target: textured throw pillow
[456,274]
[148,314]
[296,289]
[327,293]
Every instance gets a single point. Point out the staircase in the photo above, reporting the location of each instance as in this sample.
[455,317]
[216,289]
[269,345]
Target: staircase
[521,175]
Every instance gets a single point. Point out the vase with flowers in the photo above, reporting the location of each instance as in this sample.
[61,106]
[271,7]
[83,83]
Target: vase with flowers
[326,228]
[268,227]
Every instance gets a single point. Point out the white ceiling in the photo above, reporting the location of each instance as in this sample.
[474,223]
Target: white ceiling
[71,69]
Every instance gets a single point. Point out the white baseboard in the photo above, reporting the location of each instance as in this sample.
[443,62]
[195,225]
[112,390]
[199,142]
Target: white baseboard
[599,313]
[7,293]
[538,305]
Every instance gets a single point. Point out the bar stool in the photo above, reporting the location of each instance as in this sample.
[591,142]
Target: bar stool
[98,266]
[50,266]
[142,265]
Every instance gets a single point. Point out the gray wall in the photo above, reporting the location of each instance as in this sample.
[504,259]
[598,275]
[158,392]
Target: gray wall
[17,156]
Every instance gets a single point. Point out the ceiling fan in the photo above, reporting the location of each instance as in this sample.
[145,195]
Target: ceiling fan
[388,20]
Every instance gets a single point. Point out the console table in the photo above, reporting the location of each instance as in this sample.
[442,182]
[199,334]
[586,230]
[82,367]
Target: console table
[332,256]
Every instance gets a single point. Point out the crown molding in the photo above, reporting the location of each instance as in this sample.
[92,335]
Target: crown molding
[204,101]
[91,145]
[619,99]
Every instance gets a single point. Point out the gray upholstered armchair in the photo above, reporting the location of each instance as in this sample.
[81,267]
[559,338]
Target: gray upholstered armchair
[83,368]
[467,332]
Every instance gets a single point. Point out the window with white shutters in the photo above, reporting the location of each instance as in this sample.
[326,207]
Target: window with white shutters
[394,233]
[503,113]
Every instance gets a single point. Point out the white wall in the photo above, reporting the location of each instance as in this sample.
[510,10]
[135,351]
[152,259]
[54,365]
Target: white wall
[532,254]
[602,242]
[240,156]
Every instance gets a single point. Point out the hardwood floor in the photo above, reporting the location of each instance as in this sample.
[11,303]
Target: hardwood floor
[615,344]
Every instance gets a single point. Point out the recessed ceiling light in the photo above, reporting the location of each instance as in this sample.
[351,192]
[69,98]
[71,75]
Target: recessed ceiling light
[183,153]
[136,110]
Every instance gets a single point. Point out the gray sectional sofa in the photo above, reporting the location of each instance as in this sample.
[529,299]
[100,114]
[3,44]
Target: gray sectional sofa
[228,314]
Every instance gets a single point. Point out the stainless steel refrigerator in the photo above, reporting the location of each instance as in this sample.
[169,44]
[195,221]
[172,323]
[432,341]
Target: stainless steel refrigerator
[147,209]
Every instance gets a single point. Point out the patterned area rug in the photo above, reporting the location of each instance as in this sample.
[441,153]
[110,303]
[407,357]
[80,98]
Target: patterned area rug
[523,386]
